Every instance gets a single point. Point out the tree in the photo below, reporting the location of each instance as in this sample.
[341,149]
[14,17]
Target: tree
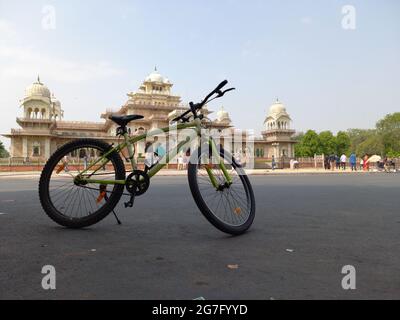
[358,136]
[384,140]
[342,143]
[3,152]
[308,145]
[372,145]
[389,130]
[328,142]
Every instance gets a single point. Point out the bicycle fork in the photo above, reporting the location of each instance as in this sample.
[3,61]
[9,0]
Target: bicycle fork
[221,164]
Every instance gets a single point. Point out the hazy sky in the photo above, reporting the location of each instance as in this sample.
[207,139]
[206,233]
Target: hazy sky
[328,77]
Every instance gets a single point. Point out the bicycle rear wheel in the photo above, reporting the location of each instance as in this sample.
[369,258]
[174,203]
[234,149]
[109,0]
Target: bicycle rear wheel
[231,209]
[80,205]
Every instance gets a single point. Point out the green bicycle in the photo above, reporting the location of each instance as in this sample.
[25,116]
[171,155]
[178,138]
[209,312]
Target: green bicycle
[80,193]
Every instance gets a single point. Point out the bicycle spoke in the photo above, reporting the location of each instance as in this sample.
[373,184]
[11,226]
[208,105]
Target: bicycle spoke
[230,204]
[78,201]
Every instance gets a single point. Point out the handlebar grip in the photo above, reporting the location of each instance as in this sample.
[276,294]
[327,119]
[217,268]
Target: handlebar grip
[221,85]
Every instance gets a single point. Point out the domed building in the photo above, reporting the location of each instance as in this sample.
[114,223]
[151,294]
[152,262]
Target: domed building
[277,136]
[43,128]
[223,117]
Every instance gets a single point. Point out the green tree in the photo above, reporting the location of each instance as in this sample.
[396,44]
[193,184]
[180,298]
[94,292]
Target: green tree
[372,145]
[389,131]
[328,142]
[308,145]
[342,143]
[358,136]
[3,152]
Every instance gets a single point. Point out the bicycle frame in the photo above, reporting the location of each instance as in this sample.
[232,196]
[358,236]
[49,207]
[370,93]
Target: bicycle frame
[129,144]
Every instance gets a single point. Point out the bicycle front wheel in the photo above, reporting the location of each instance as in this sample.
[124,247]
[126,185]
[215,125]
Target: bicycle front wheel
[230,208]
[75,205]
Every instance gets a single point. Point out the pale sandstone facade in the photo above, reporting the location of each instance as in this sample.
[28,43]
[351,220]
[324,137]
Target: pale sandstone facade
[43,128]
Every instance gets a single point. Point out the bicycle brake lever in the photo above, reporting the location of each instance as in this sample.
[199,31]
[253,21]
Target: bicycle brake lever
[227,90]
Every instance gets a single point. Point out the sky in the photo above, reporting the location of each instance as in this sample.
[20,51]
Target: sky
[332,69]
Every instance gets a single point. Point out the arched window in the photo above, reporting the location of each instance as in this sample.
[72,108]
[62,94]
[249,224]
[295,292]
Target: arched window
[29,113]
[82,153]
[36,149]
[43,113]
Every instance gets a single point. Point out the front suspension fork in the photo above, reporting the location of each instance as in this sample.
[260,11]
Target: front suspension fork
[221,164]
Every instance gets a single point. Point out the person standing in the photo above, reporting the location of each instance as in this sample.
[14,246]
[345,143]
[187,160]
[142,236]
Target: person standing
[326,163]
[366,163]
[180,162]
[332,161]
[65,163]
[159,150]
[85,162]
[337,160]
[273,164]
[343,160]
[186,159]
[353,162]
[149,157]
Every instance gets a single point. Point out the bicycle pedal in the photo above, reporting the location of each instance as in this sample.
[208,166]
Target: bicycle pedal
[128,204]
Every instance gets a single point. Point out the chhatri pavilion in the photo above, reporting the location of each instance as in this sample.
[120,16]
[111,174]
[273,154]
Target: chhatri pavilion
[43,128]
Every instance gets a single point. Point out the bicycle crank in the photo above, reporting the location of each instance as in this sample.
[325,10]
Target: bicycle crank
[136,184]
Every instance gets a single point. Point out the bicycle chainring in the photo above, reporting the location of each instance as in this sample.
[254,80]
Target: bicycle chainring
[137,182]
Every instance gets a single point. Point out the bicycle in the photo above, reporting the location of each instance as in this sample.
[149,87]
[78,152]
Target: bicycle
[77,196]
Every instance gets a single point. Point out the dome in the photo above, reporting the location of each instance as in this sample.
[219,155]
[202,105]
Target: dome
[37,89]
[223,115]
[54,100]
[155,76]
[277,108]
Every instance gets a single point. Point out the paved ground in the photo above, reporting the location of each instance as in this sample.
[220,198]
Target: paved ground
[165,249]
[170,172]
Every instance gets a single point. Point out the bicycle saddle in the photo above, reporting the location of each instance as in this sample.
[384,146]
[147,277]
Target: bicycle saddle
[124,120]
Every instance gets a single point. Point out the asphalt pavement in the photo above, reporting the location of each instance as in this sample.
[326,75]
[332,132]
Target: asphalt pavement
[307,228]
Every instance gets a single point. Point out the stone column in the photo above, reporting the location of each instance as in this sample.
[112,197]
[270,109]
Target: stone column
[47,148]
[25,147]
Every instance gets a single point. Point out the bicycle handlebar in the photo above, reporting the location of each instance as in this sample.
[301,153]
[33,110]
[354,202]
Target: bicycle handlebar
[221,85]
[197,106]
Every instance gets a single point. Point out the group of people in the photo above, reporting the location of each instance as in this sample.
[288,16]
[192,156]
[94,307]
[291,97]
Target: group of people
[386,165]
[333,162]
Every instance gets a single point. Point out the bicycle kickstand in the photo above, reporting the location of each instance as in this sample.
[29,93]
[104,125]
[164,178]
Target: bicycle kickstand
[113,211]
